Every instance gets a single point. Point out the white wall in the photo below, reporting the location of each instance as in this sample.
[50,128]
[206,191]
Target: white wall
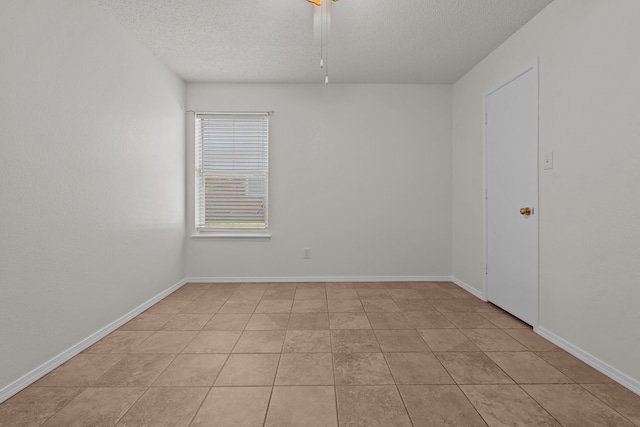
[361,174]
[91,178]
[590,201]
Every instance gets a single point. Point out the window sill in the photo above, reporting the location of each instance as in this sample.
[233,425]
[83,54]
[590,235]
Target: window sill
[232,235]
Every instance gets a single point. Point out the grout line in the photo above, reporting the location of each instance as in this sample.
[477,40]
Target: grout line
[333,372]
[195,414]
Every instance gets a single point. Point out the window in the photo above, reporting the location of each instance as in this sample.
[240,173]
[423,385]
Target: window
[232,173]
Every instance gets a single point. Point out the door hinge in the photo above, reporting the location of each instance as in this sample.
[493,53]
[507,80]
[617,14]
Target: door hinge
[486,193]
[486,269]
[486,119]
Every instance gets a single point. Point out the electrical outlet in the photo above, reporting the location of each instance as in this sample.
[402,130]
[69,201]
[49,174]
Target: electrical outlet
[548,160]
[306,253]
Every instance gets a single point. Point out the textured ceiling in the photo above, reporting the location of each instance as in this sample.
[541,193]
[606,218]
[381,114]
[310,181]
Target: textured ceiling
[272,41]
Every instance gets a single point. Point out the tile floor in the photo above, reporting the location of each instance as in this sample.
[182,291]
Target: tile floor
[323,354]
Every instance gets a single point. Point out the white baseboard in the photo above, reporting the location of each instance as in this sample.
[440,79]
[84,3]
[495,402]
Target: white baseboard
[467,287]
[318,279]
[608,370]
[37,373]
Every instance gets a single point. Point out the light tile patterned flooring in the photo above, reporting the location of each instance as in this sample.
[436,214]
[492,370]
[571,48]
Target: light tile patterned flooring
[323,354]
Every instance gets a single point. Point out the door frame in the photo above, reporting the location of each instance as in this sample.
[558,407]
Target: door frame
[485,225]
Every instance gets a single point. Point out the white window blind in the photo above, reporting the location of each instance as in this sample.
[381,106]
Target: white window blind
[232,172]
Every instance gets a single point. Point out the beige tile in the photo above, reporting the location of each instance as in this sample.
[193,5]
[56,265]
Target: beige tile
[213,342]
[455,292]
[439,405]
[247,295]
[120,342]
[311,285]
[203,306]
[379,293]
[434,294]
[311,294]
[405,294]
[219,294]
[447,340]
[338,285]
[619,398]
[505,320]
[573,406]
[389,321]
[146,322]
[454,305]
[227,322]
[406,340]
[268,322]
[400,285]
[96,407]
[469,321]
[135,370]
[414,305]
[193,287]
[361,369]
[427,320]
[33,405]
[308,321]
[254,286]
[345,306]
[192,370]
[371,406]
[368,285]
[248,370]
[531,340]
[165,406]
[309,306]
[342,293]
[307,342]
[354,341]
[282,286]
[424,286]
[485,307]
[186,322]
[184,294]
[80,371]
[274,306]
[349,321]
[239,306]
[308,406]
[507,405]
[166,342]
[380,306]
[472,368]
[260,342]
[574,368]
[305,369]
[492,340]
[527,368]
[234,406]
[417,368]
[169,306]
[279,294]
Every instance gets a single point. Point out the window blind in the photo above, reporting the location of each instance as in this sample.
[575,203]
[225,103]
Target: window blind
[232,172]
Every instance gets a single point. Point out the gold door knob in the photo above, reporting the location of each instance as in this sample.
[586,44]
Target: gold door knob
[525,211]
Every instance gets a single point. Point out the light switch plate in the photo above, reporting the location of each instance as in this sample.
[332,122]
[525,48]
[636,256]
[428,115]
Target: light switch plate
[548,160]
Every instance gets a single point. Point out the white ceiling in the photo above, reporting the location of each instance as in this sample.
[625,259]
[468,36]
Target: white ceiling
[272,41]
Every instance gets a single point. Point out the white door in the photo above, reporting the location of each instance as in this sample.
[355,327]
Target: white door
[511,138]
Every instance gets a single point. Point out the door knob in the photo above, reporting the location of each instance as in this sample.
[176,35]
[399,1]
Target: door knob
[525,211]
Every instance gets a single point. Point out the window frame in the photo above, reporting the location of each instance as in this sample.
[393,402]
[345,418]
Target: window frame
[204,232]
